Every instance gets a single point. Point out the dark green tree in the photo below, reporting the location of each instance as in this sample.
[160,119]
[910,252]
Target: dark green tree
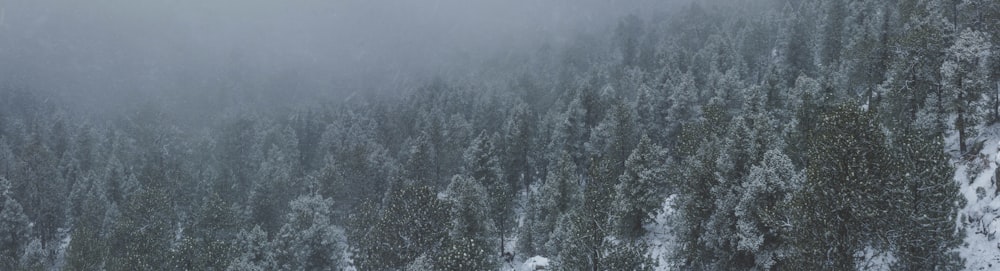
[846,201]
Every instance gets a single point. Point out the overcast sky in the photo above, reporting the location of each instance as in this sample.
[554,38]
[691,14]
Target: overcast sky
[112,52]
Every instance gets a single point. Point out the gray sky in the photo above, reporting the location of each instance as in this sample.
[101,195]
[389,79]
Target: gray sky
[108,53]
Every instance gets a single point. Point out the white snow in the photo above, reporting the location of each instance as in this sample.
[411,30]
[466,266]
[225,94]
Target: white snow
[981,215]
[535,263]
[660,235]
[64,239]
[873,259]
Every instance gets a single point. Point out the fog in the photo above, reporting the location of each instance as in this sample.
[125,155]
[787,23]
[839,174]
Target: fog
[106,56]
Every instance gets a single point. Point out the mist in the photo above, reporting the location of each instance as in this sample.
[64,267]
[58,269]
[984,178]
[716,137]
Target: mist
[197,56]
[499,135]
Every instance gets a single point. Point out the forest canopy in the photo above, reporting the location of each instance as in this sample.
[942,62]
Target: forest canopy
[704,135]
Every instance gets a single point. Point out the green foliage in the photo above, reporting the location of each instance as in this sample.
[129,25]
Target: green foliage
[762,222]
[927,204]
[143,233]
[465,253]
[411,223]
[308,241]
[845,203]
[253,252]
[963,79]
[628,257]
[15,229]
[556,197]
[640,189]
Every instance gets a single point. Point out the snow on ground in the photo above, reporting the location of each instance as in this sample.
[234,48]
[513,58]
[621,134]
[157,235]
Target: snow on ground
[60,255]
[535,263]
[980,216]
[660,235]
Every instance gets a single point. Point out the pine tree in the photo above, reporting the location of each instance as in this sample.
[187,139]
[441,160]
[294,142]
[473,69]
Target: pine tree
[88,247]
[615,137]
[628,256]
[270,192]
[557,195]
[842,206]
[833,32]
[308,240]
[15,229]
[410,224]
[420,167]
[517,138]
[639,192]
[964,75]
[39,188]
[254,252]
[762,225]
[143,233]
[928,204]
[684,105]
[470,244]
[483,166]
[798,52]
[913,81]
[208,243]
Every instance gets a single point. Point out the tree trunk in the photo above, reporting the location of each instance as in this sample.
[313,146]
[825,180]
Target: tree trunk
[960,123]
[996,104]
[960,126]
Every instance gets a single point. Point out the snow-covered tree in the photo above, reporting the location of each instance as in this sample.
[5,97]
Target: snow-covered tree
[517,144]
[15,229]
[472,238]
[927,206]
[410,224]
[143,233]
[254,252]
[420,165]
[762,223]
[639,192]
[556,196]
[964,78]
[841,207]
[308,240]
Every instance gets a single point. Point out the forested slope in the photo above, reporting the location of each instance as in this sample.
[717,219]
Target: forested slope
[787,135]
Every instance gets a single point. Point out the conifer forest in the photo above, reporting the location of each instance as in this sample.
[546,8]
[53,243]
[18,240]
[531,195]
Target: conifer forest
[493,135]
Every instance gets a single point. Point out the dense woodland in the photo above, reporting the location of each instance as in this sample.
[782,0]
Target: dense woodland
[780,135]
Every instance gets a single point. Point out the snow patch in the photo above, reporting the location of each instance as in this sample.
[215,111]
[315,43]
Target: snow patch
[980,218]
[535,263]
[660,235]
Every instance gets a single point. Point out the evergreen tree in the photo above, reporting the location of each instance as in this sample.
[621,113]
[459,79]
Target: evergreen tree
[209,242]
[798,52]
[639,192]
[269,194]
[39,188]
[420,167]
[254,252]
[629,256]
[88,248]
[470,244]
[556,197]
[308,241]
[928,204]
[143,233]
[964,75]
[15,229]
[833,32]
[615,137]
[410,224]
[517,141]
[483,166]
[762,225]
[844,203]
